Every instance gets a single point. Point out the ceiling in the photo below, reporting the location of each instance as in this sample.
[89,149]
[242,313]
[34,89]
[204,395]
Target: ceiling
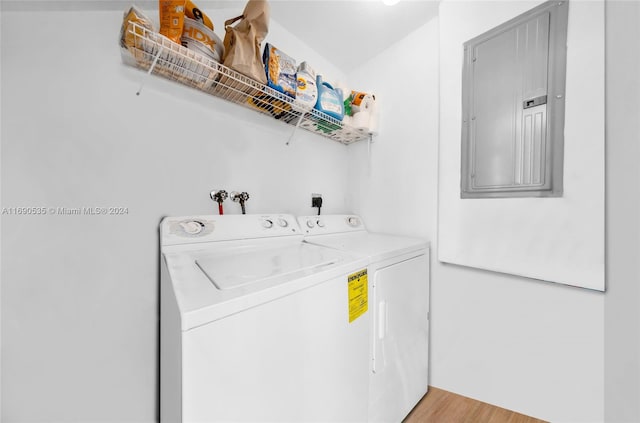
[348,33]
[345,32]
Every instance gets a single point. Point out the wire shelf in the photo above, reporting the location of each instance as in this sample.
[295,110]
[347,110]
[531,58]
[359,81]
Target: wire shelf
[158,55]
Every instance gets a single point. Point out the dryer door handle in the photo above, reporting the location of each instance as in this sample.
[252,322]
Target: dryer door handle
[383,320]
[378,347]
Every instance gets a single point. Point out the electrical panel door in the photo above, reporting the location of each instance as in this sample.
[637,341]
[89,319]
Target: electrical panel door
[513,107]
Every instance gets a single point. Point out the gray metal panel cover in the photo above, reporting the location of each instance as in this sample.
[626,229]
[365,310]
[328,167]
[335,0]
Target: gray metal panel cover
[506,83]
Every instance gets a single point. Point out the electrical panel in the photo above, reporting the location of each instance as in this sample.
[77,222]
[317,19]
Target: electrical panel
[513,107]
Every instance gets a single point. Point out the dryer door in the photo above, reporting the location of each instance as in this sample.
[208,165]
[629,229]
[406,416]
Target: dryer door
[399,375]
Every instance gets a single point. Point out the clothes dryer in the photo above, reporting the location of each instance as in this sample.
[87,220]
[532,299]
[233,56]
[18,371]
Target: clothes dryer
[399,284]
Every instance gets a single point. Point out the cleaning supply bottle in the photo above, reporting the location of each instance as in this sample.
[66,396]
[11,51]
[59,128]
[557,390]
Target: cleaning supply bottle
[306,89]
[329,100]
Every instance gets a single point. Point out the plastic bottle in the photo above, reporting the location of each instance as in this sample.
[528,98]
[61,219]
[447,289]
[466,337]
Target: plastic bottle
[306,89]
[329,100]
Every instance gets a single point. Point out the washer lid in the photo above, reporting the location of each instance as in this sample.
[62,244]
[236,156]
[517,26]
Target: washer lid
[233,269]
[212,283]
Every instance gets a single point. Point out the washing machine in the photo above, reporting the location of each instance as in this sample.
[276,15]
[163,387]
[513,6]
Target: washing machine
[256,325]
[399,285]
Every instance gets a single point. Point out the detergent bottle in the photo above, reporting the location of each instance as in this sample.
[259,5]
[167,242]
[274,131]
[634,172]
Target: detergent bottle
[306,90]
[329,99]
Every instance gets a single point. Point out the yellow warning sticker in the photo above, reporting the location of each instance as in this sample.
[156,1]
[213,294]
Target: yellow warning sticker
[358,294]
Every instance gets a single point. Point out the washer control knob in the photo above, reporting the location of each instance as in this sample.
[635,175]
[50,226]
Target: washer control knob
[320,223]
[283,222]
[192,227]
[353,221]
[310,223]
[267,223]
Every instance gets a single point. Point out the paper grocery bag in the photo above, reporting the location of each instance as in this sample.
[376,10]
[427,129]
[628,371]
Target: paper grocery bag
[242,42]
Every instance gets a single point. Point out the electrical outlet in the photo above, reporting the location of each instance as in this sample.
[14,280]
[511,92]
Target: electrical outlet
[316,200]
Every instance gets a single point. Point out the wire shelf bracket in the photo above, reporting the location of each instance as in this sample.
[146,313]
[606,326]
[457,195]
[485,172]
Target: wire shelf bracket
[153,65]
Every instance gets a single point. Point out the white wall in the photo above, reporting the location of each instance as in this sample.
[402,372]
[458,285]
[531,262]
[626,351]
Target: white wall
[622,301]
[0,235]
[552,239]
[80,293]
[393,182]
[509,341]
[526,345]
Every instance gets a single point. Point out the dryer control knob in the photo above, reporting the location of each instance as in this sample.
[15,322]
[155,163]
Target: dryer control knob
[192,227]
[267,223]
[320,223]
[353,221]
[283,222]
[310,223]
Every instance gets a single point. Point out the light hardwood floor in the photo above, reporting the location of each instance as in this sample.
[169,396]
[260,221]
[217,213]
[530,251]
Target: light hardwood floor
[440,406]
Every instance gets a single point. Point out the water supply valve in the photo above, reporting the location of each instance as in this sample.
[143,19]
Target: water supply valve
[241,198]
[219,197]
